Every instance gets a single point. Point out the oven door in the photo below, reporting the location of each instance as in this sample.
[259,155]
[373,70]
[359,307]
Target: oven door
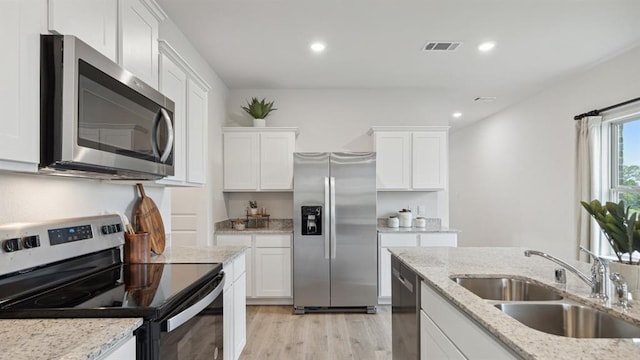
[194,331]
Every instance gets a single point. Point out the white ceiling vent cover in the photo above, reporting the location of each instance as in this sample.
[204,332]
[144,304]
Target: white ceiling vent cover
[441,45]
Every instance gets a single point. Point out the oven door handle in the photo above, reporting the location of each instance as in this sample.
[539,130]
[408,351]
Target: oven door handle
[175,321]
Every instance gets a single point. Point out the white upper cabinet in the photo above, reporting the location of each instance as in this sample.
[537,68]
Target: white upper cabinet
[173,84]
[20,84]
[241,160]
[429,160]
[188,90]
[258,159]
[411,158]
[393,160]
[196,132]
[276,160]
[93,21]
[139,23]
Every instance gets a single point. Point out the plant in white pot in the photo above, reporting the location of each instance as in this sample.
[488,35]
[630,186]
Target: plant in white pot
[253,207]
[621,228]
[259,110]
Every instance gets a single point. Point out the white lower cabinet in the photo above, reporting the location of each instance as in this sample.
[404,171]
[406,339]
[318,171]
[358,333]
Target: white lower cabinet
[447,333]
[435,344]
[268,266]
[273,272]
[235,308]
[126,350]
[387,240]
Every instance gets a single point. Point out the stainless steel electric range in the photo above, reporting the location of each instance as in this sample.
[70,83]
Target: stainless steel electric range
[73,268]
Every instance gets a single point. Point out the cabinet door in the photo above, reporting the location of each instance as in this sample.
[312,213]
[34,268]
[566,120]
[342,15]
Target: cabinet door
[241,161]
[239,316]
[228,302]
[276,160]
[434,344]
[124,350]
[249,273]
[438,239]
[139,40]
[92,21]
[385,273]
[196,131]
[429,160]
[173,84]
[273,272]
[393,163]
[20,84]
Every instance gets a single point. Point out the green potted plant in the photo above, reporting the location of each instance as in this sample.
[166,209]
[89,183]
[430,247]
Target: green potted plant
[253,207]
[621,228]
[259,110]
[619,225]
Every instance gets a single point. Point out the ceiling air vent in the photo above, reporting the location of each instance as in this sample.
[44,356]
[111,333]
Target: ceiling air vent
[484,98]
[441,46]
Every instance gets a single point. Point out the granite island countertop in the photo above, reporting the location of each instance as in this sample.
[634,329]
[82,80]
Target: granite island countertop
[63,339]
[437,265]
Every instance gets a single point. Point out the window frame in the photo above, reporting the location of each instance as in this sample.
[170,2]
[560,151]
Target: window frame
[609,188]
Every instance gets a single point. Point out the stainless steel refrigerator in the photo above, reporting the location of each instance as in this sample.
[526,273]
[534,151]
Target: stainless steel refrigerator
[335,247]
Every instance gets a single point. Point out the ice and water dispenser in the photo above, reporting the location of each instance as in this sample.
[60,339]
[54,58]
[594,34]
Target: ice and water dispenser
[311,220]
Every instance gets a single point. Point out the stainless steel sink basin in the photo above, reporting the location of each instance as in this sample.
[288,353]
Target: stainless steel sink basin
[570,320]
[507,289]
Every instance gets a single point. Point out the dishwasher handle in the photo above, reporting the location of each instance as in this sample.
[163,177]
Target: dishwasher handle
[402,279]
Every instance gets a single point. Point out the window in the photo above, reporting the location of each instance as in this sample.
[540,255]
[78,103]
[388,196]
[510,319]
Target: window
[620,163]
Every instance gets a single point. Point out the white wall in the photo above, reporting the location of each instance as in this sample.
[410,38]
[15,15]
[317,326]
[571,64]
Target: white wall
[338,120]
[33,198]
[334,119]
[512,175]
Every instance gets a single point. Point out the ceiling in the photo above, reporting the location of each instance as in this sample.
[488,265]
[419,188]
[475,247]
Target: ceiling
[376,44]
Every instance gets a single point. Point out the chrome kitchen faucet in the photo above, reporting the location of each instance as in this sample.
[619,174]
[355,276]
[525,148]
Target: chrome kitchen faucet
[599,282]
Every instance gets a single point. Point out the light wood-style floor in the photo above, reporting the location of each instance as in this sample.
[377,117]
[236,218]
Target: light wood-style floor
[273,332]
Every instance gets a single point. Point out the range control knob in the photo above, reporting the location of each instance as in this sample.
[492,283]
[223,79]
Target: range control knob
[106,230]
[11,245]
[31,241]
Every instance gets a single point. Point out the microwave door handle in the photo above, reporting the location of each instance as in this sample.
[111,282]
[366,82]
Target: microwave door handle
[175,321]
[154,134]
[167,149]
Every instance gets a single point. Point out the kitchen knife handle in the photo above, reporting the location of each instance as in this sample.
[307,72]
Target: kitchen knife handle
[326,233]
[332,183]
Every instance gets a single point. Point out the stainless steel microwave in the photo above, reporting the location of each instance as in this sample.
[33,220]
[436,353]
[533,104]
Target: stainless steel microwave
[97,119]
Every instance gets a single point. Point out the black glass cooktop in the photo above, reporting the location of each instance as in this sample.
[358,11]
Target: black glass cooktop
[118,290]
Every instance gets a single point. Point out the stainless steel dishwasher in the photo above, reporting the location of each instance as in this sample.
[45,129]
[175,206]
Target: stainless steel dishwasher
[405,329]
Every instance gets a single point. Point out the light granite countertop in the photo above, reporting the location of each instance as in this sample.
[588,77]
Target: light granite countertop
[63,339]
[198,254]
[390,230]
[437,265]
[75,339]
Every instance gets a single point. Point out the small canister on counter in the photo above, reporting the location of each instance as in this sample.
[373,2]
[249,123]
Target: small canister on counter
[136,248]
[406,218]
[393,221]
[421,222]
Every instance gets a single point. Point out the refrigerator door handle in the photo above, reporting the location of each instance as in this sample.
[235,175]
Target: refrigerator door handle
[332,182]
[326,233]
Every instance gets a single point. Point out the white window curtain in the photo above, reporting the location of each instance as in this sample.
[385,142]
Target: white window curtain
[588,176]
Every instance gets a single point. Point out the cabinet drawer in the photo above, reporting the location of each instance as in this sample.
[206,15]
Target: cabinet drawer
[395,240]
[233,240]
[438,239]
[273,240]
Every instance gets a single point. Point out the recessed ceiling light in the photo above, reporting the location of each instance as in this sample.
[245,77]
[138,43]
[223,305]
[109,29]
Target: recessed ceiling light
[318,47]
[486,46]
[456,114]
